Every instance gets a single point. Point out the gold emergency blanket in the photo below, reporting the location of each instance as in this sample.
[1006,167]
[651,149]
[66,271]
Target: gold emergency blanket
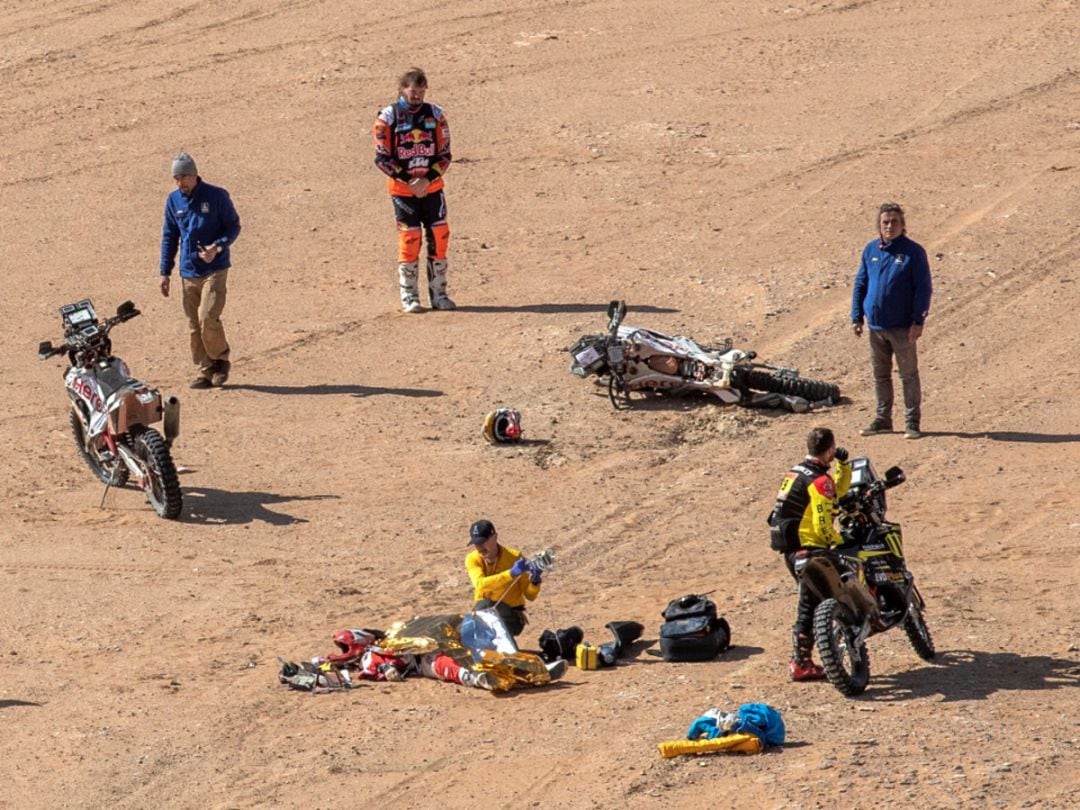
[428,634]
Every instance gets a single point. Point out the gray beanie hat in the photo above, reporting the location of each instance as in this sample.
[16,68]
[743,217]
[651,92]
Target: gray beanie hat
[184,164]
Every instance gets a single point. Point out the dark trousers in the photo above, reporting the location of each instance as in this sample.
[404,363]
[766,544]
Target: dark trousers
[802,632]
[514,618]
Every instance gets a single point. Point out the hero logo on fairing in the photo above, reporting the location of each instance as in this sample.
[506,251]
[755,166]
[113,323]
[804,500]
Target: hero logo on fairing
[85,390]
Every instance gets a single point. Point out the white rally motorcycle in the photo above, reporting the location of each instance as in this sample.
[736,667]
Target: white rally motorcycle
[111,412]
[641,360]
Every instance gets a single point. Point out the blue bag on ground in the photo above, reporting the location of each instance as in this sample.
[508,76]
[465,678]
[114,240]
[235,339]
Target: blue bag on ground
[762,720]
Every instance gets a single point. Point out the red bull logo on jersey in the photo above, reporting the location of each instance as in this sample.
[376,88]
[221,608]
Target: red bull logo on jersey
[415,143]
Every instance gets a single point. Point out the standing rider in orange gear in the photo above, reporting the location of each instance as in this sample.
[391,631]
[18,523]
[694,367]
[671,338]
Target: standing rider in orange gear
[412,148]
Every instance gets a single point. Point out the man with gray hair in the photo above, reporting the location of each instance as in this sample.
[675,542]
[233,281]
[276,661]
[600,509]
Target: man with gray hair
[200,219]
[892,293]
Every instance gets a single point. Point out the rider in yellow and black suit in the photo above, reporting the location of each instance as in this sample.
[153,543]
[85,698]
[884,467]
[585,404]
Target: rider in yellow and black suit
[803,518]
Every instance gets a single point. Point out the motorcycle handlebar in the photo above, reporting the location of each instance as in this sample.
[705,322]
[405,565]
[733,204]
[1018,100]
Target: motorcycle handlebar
[125,312]
[44,353]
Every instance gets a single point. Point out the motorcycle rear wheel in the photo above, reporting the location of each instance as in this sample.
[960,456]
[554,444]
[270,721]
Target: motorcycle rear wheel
[162,484]
[813,390]
[847,669]
[113,472]
[919,634]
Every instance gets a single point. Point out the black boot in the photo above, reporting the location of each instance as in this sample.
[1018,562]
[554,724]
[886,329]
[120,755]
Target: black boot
[626,633]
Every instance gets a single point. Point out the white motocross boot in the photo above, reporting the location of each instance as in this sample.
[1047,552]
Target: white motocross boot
[436,273]
[409,282]
[477,680]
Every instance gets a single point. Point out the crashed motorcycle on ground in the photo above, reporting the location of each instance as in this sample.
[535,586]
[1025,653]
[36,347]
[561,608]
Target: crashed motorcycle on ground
[864,585]
[111,412]
[637,360]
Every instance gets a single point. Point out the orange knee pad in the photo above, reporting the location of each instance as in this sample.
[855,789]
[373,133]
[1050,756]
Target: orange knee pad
[440,233]
[408,244]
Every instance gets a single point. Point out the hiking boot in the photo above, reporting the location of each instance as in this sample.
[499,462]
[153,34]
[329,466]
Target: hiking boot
[805,670]
[912,432]
[201,382]
[556,669]
[876,427]
[221,373]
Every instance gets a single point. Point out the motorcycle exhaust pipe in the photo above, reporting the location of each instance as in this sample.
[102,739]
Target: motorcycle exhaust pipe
[172,419]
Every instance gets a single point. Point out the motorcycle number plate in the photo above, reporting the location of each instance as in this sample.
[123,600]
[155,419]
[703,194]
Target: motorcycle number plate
[588,357]
[615,354]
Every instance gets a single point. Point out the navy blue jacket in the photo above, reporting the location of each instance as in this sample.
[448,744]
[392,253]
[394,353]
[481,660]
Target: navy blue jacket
[204,218]
[892,288]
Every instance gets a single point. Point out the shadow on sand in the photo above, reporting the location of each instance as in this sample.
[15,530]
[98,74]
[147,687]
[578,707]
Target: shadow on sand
[1010,436]
[218,506]
[546,309]
[975,675]
[347,389]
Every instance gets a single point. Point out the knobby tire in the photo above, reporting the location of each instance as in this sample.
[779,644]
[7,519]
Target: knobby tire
[831,636]
[813,390]
[162,485]
[918,634]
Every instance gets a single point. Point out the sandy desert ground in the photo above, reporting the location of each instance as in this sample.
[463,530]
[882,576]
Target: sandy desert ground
[718,165]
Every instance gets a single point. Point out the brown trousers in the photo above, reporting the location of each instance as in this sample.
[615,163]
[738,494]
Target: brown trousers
[204,299]
[884,344]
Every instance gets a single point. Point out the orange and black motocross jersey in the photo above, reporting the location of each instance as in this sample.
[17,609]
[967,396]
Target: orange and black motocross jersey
[808,493]
[411,143]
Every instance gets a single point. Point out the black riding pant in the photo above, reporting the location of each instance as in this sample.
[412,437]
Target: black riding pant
[804,613]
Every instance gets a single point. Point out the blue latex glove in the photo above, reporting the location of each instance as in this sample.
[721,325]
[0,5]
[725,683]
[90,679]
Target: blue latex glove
[535,575]
[703,728]
[520,566]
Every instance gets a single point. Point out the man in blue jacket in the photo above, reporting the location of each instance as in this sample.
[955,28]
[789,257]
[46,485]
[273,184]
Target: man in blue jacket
[200,219]
[892,293]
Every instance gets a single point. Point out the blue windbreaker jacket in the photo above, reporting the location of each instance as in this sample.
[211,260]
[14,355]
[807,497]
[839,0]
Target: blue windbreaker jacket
[207,216]
[892,288]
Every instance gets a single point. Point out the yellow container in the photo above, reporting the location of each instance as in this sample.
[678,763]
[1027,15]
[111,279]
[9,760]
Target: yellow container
[586,656]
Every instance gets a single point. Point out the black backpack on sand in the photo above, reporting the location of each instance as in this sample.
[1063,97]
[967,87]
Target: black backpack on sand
[692,631]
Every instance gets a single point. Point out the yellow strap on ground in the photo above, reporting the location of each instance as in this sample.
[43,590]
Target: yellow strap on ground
[740,743]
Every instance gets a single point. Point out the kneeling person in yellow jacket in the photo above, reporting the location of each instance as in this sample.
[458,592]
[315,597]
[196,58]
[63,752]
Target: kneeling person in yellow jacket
[501,577]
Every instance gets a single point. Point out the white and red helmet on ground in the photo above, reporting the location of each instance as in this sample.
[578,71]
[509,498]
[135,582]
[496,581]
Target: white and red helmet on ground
[503,426]
[352,643]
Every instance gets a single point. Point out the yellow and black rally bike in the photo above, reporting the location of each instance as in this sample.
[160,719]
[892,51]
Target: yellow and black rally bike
[864,585]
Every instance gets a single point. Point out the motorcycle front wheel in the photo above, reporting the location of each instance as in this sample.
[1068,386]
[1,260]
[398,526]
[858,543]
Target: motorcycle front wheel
[847,667]
[619,393]
[919,634]
[110,471]
[161,483]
